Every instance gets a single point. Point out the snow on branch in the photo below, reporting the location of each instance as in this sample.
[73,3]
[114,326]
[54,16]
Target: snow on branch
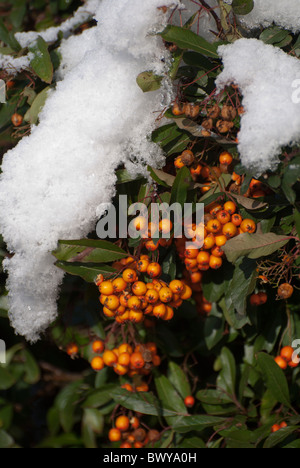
[284,13]
[267,78]
[55,180]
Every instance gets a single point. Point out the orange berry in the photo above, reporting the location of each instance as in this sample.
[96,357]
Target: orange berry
[209,242]
[286,353]
[136,316]
[112,302]
[139,288]
[236,219]
[191,253]
[142,388]
[285,291]
[216,207]
[98,346]
[114,435]
[72,349]
[215,262]
[127,387]
[225,158]
[159,310]
[248,225]
[154,270]
[152,296]
[119,285]
[229,230]
[190,263]
[151,246]
[263,297]
[176,286]
[122,423]
[217,251]
[125,445]
[142,266]
[140,223]
[213,226]
[125,348]
[178,163]
[129,275]
[165,226]
[137,360]
[187,293]
[189,401]
[293,364]
[230,207]
[223,216]
[106,288]
[120,369]
[177,109]
[281,362]
[97,363]
[16,119]
[196,277]
[156,360]
[283,424]
[169,314]
[124,359]
[203,258]
[220,240]
[134,303]
[109,358]
[138,444]
[254,300]
[275,428]
[196,170]
[99,280]
[165,294]
[108,313]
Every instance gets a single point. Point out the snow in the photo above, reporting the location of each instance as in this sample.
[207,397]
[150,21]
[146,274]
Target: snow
[56,181]
[50,35]
[284,13]
[266,77]
[14,64]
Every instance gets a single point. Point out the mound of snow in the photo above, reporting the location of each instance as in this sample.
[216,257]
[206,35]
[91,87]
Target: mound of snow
[267,78]
[284,13]
[55,181]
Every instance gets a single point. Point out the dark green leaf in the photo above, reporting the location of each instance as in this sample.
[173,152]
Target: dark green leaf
[88,273]
[275,379]
[186,39]
[41,62]
[87,250]
[197,423]
[279,436]
[242,7]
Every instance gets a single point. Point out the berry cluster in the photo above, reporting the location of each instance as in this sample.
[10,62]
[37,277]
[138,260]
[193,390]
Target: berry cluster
[285,358]
[127,299]
[126,360]
[127,430]
[221,224]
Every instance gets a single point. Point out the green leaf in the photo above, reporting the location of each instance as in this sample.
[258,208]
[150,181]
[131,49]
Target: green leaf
[93,419]
[273,35]
[87,250]
[8,37]
[242,7]
[6,416]
[279,436]
[191,442]
[7,380]
[6,440]
[41,62]
[186,39]
[290,177]
[253,245]
[142,402]
[168,395]
[275,379]
[32,114]
[88,273]
[242,284]
[99,397]
[213,331]
[148,81]
[227,377]
[18,12]
[197,423]
[65,402]
[297,221]
[179,380]
[213,397]
[32,370]
[180,186]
